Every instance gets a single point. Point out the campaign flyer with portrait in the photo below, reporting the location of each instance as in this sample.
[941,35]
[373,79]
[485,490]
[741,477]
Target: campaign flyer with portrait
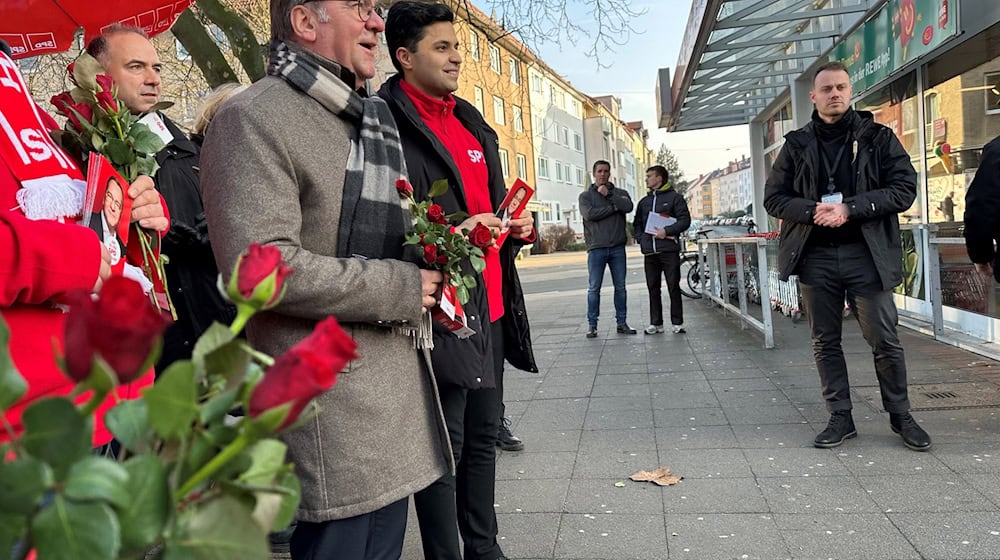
[106,208]
[513,204]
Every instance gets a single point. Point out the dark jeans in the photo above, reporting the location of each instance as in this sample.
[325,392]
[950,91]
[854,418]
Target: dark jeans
[826,275]
[373,536]
[472,418]
[597,259]
[668,265]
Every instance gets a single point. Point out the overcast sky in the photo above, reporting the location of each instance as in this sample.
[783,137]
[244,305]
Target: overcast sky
[631,76]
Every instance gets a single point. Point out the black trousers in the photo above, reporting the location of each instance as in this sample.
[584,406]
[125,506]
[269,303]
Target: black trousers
[472,417]
[373,536]
[668,265]
[828,274]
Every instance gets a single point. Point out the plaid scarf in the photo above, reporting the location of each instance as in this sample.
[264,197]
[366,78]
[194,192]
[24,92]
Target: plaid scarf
[374,219]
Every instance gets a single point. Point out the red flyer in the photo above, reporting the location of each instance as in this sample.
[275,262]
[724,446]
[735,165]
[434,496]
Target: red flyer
[106,208]
[513,204]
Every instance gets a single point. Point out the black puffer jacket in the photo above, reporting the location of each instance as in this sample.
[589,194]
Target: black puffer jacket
[982,209]
[604,217]
[885,185]
[192,275]
[467,363]
[670,203]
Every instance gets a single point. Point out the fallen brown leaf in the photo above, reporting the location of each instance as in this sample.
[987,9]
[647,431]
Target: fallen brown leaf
[661,476]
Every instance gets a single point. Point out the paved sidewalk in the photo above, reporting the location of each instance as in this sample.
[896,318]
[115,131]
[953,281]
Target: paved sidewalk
[736,421]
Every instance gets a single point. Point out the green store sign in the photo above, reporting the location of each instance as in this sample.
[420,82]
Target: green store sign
[900,31]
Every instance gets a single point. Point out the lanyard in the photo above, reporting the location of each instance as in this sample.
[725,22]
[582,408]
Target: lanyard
[831,170]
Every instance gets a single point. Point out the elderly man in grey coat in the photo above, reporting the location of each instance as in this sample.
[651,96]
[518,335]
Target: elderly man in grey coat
[303,161]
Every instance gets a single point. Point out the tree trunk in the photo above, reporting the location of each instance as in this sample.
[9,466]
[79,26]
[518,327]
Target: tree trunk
[241,38]
[203,50]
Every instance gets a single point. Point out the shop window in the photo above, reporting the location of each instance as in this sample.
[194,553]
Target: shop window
[991,90]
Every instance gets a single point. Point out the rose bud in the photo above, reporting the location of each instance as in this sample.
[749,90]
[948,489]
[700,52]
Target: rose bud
[436,214]
[430,254]
[404,187]
[62,102]
[121,326]
[259,277]
[106,101]
[105,82]
[442,258]
[304,372]
[69,69]
[481,236]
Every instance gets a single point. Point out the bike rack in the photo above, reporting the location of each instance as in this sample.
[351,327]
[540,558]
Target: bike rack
[711,255]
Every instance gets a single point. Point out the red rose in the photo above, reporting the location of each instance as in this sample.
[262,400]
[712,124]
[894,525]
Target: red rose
[430,254]
[304,372]
[105,82]
[69,69]
[258,277]
[62,102]
[404,187]
[121,326]
[442,259]
[436,214]
[481,236]
[106,101]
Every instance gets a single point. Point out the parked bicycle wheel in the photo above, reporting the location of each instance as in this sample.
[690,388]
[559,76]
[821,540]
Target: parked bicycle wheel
[691,276]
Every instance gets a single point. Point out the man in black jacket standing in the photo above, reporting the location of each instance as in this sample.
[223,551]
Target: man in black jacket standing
[604,208]
[445,137]
[131,61]
[838,185]
[982,212]
[662,249]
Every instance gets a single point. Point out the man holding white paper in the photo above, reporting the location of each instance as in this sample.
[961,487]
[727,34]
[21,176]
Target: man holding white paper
[660,218]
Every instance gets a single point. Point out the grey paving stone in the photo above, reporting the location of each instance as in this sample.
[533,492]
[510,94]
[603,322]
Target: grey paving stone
[618,465]
[528,535]
[564,414]
[665,418]
[804,462]
[621,389]
[764,414]
[597,496]
[706,463]
[952,536]
[522,466]
[621,379]
[747,384]
[616,369]
[816,495]
[961,426]
[988,485]
[696,437]
[619,420]
[844,535]
[724,536]
[685,400]
[775,436]
[602,441]
[619,536]
[530,496]
[675,387]
[969,457]
[733,373]
[562,380]
[614,404]
[751,398]
[924,493]
[715,495]
[675,376]
[548,441]
[673,365]
[872,461]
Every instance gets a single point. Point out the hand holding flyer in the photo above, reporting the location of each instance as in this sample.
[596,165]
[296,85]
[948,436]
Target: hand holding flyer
[655,222]
[512,206]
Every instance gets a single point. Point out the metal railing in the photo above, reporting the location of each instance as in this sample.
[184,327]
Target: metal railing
[716,285]
[934,276]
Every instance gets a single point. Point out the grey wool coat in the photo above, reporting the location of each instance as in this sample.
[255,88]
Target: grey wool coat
[272,172]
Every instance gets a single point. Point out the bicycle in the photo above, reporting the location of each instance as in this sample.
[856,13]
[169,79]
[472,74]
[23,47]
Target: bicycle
[691,271]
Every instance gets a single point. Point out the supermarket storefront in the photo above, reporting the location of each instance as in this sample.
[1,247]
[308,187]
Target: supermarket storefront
[927,69]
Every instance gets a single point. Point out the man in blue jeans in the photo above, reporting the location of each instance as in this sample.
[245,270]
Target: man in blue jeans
[604,208]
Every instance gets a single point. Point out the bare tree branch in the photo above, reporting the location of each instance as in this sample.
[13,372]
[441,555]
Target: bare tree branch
[242,40]
[203,50]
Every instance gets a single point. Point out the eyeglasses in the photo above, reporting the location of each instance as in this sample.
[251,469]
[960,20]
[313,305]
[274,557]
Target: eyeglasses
[365,8]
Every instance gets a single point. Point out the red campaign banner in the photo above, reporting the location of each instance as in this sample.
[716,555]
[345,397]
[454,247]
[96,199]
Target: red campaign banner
[35,27]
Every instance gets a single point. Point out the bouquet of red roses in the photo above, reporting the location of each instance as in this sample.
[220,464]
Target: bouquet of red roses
[97,121]
[444,248]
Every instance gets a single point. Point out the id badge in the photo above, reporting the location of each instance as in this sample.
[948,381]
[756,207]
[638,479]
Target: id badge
[835,198]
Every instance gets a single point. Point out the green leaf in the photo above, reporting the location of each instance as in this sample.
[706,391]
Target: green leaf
[217,336]
[119,152]
[221,529]
[12,385]
[146,515]
[458,216]
[229,361]
[97,140]
[23,483]
[85,71]
[478,264]
[55,432]
[129,422]
[81,531]
[463,294]
[268,458]
[217,407]
[12,529]
[173,400]
[144,140]
[98,478]
[438,188]
[160,106]
[146,165]
[469,281]
[289,500]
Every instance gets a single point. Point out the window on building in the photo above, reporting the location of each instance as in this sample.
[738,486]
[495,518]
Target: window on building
[577,142]
[473,44]
[536,83]
[568,175]
[515,71]
[543,167]
[478,92]
[522,166]
[498,111]
[991,89]
[559,171]
[504,163]
[517,117]
[580,177]
[564,136]
[495,63]
[539,125]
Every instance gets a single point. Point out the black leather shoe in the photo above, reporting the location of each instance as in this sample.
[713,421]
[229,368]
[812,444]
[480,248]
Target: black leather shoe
[592,331]
[913,435]
[507,440]
[623,328]
[840,428]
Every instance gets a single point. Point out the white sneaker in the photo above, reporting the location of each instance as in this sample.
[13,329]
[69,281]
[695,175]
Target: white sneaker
[678,329]
[653,329]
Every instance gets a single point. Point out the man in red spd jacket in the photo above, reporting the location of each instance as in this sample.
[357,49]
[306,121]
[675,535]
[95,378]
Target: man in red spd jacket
[44,255]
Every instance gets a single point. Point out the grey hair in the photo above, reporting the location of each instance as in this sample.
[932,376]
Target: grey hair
[281,17]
